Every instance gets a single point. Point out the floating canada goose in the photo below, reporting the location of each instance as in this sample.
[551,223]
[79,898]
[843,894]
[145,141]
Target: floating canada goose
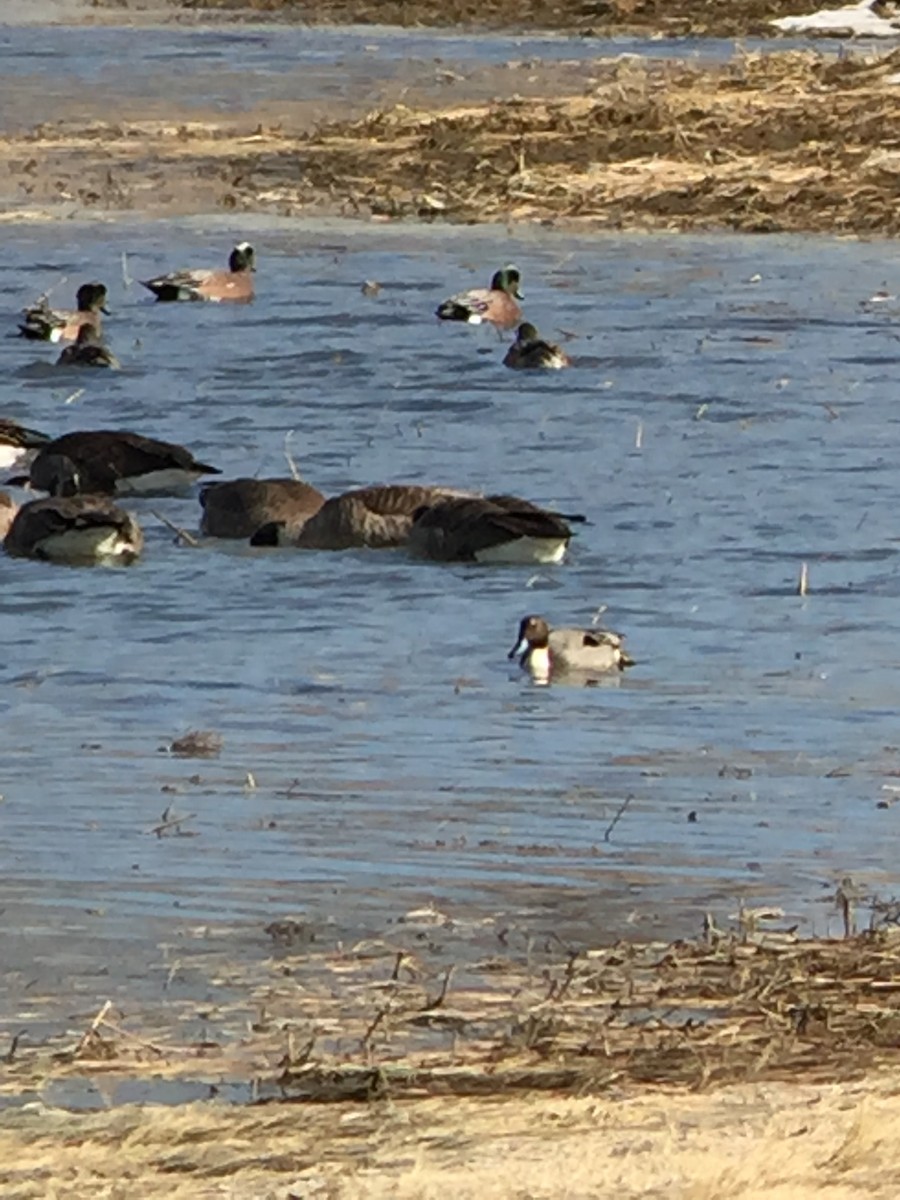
[206,283]
[544,651]
[530,352]
[114,462]
[88,351]
[236,508]
[72,529]
[496,304]
[17,442]
[500,529]
[46,324]
[378,517]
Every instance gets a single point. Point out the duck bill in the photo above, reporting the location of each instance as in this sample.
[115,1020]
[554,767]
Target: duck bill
[519,648]
[104,309]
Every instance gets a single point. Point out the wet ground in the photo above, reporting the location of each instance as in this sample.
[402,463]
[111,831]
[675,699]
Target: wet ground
[724,423]
[586,18]
[622,134]
[727,420]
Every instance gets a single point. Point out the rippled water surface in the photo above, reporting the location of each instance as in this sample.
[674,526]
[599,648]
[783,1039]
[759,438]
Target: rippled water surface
[232,68]
[731,414]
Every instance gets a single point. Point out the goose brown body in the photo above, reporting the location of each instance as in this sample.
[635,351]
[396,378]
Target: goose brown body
[490,529]
[236,508]
[117,462]
[74,529]
[379,517]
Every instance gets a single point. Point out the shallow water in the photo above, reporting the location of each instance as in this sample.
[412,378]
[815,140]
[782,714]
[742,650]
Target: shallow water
[396,757]
[233,68]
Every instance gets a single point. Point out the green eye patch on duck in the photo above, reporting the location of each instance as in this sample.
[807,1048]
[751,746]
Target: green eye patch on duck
[495,305]
[46,324]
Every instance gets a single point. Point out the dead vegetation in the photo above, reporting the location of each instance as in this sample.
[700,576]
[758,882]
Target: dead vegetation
[718,18]
[382,1071]
[790,142]
[396,1019]
[746,1143]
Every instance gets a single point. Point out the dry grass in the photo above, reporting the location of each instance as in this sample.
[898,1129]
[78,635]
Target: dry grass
[749,1065]
[754,1142]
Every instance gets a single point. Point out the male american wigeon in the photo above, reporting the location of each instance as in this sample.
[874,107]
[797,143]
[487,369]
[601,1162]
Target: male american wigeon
[496,304]
[18,443]
[544,651]
[70,528]
[46,324]
[378,517]
[88,351]
[498,529]
[207,283]
[530,352]
[236,508]
[117,462]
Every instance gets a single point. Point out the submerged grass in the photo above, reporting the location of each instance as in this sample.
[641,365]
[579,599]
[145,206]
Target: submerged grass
[749,1066]
[382,1021]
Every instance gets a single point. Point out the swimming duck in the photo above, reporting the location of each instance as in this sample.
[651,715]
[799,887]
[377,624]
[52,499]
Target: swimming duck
[17,442]
[379,517]
[209,284]
[496,304]
[46,324]
[236,508]
[544,651]
[498,529]
[69,528]
[529,352]
[88,351]
[117,462]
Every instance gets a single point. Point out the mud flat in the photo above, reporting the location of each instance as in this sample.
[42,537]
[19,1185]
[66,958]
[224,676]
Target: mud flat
[664,18]
[794,141]
[380,1069]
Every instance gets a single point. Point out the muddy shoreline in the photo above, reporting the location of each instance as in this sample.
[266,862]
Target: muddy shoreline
[393,1054]
[790,142]
[587,18]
